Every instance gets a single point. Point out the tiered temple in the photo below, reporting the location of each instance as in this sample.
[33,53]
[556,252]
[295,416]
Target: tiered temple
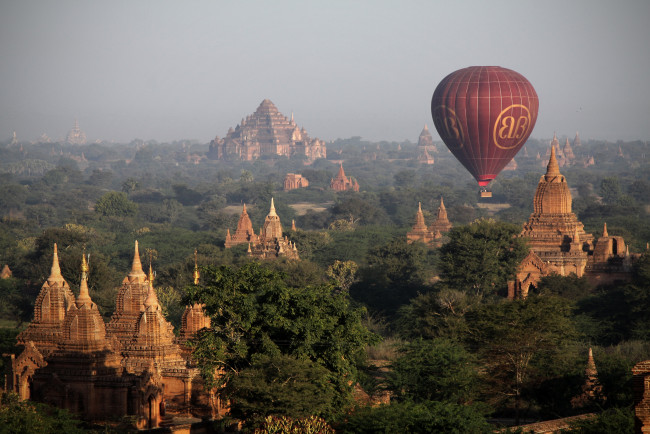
[132,366]
[559,244]
[266,133]
[343,183]
[426,146]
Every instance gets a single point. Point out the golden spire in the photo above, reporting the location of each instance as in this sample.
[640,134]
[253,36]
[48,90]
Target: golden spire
[442,204]
[419,207]
[136,267]
[293,225]
[605,234]
[84,296]
[196,274]
[272,210]
[553,169]
[55,272]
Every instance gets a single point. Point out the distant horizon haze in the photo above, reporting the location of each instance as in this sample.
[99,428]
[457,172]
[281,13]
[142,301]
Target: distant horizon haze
[166,71]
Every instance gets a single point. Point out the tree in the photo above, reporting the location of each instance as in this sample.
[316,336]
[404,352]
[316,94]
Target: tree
[434,370]
[409,417]
[343,273]
[255,313]
[30,417]
[439,313]
[610,190]
[280,385]
[396,272]
[129,185]
[116,204]
[482,256]
[514,337]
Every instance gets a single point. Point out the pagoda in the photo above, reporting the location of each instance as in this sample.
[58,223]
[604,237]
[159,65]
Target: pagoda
[266,133]
[271,242]
[244,232]
[442,223]
[343,183]
[555,236]
[420,231]
[75,135]
[50,308]
[133,366]
[426,141]
[559,244]
[432,235]
[592,390]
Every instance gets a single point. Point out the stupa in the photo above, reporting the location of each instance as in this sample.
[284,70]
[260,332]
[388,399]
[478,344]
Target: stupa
[343,183]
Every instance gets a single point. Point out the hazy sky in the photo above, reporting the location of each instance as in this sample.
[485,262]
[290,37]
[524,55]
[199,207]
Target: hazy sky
[170,70]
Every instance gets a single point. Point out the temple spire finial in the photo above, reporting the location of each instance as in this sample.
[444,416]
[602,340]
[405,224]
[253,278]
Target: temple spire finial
[136,266]
[272,210]
[420,207]
[196,273]
[55,272]
[84,296]
[605,234]
[553,169]
[442,203]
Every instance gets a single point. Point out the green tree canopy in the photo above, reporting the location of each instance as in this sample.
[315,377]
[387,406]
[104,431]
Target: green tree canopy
[514,338]
[482,256]
[255,313]
[434,370]
[115,203]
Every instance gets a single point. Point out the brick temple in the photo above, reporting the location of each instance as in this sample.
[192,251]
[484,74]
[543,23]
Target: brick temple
[431,235]
[266,133]
[131,366]
[343,183]
[559,244]
[270,243]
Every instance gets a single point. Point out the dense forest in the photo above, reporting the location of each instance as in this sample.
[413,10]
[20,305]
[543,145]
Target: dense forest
[363,313]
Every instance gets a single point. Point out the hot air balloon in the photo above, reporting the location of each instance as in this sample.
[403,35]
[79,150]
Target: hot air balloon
[484,114]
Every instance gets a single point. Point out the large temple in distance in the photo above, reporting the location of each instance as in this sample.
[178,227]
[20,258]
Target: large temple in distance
[133,366]
[266,133]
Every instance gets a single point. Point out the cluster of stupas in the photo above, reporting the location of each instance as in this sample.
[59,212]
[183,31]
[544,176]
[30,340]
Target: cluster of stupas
[559,244]
[343,183]
[430,235]
[266,132]
[270,243]
[131,366]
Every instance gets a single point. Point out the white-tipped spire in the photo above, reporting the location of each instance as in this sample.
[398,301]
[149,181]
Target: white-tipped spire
[55,271]
[272,210]
[136,266]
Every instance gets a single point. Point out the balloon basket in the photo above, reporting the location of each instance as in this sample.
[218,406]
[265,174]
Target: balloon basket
[485,193]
